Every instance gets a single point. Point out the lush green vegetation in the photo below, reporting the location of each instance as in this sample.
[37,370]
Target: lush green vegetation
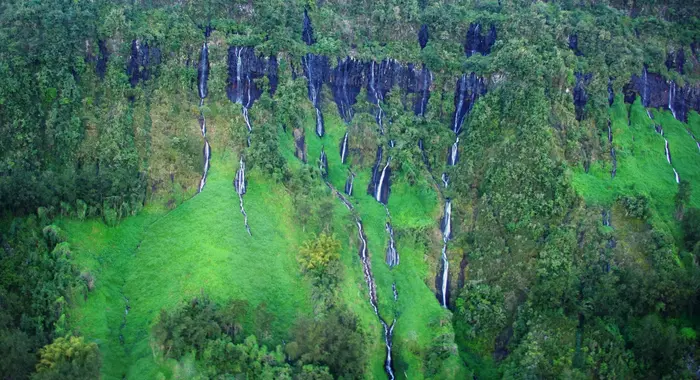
[111,266]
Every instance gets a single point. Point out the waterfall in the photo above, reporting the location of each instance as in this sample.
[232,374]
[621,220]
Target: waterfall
[202,78]
[459,117]
[239,183]
[349,183]
[610,136]
[453,154]
[371,187]
[323,163]
[207,157]
[344,148]
[203,72]
[377,97]
[392,256]
[382,189]
[445,179]
[315,68]
[396,293]
[645,87]
[307,33]
[671,97]
[427,77]
[668,152]
[613,156]
[606,218]
[678,179]
[346,82]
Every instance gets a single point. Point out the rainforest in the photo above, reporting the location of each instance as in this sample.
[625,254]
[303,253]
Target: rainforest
[349,189]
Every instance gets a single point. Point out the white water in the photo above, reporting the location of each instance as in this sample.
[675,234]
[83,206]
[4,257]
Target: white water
[453,153]
[202,66]
[380,112]
[445,179]
[238,76]
[344,149]
[392,256]
[457,123]
[446,234]
[678,179]
[378,190]
[207,154]
[247,120]
[668,153]
[241,189]
[349,184]
[671,96]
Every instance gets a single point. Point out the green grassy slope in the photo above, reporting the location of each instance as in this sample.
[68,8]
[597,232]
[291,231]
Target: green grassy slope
[641,163]
[200,247]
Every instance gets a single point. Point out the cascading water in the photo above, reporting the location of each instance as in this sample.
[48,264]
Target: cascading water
[375,96]
[382,189]
[346,82]
[323,163]
[453,154]
[671,97]
[678,179]
[392,256]
[240,184]
[344,148]
[202,77]
[446,235]
[349,183]
[667,151]
[315,69]
[207,158]
[445,179]
[613,157]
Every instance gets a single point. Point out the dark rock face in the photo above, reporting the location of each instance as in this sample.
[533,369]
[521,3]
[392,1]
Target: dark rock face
[376,172]
[573,44]
[676,60]
[102,59]
[140,61]
[272,67]
[416,83]
[476,43]
[656,92]
[611,93]
[580,96]
[323,164]
[243,68]
[346,82]
[423,36]
[307,34]
[316,69]
[469,88]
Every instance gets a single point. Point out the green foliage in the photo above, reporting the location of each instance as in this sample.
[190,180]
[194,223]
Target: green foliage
[68,358]
[636,206]
[317,254]
[691,228]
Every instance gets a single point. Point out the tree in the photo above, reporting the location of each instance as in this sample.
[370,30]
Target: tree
[315,255]
[68,358]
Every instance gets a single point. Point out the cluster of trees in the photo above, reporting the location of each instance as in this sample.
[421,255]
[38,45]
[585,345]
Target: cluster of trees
[332,347]
[38,285]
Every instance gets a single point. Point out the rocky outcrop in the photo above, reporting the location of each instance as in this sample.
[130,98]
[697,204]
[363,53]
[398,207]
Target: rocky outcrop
[243,68]
[580,95]
[346,82]
[573,44]
[476,43]
[469,88]
[657,92]
[140,62]
[423,36]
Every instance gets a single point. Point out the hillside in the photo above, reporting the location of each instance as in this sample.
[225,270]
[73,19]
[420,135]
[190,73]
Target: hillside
[317,190]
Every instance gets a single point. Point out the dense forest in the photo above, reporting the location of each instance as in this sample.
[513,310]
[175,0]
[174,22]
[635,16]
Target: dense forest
[349,189]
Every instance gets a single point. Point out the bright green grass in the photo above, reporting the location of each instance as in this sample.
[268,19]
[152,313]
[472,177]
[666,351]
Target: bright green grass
[641,162]
[200,247]
[415,207]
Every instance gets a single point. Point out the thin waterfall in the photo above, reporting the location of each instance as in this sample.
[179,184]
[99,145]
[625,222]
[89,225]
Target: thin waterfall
[349,183]
[323,163]
[678,179]
[240,184]
[446,235]
[344,149]
[445,179]
[381,195]
[202,77]
[667,151]
[453,154]
[671,97]
[207,158]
